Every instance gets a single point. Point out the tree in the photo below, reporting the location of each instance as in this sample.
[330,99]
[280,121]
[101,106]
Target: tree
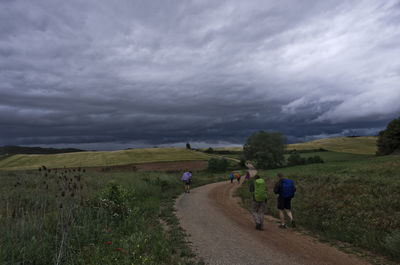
[389,140]
[266,149]
[188,146]
[209,150]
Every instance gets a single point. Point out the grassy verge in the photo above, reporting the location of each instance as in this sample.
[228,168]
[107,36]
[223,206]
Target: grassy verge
[92,218]
[355,201]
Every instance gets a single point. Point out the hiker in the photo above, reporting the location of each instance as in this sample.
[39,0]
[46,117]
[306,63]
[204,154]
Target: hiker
[187,178]
[286,189]
[238,178]
[232,176]
[259,192]
[247,177]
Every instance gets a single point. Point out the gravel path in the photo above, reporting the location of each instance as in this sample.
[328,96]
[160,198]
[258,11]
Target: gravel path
[222,232]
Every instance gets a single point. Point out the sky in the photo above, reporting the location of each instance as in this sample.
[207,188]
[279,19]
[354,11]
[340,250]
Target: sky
[106,75]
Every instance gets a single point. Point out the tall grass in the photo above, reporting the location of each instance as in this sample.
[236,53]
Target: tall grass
[355,201]
[118,221]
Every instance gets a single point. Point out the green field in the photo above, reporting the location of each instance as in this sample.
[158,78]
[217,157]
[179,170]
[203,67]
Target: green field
[354,145]
[103,158]
[113,218]
[352,198]
[365,145]
[333,156]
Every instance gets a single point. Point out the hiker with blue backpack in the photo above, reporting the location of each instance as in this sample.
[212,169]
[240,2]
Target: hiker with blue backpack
[259,191]
[286,189]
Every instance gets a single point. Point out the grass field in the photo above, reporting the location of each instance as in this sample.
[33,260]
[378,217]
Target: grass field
[113,218]
[365,145]
[93,159]
[354,145]
[352,198]
[333,156]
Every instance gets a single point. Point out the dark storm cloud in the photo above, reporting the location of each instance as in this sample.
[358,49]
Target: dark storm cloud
[96,73]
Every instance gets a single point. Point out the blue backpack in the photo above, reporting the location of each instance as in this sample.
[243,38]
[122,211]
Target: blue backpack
[288,188]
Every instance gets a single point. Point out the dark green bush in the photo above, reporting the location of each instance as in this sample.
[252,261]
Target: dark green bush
[217,165]
[389,139]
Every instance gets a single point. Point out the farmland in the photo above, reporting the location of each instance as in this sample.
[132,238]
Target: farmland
[96,159]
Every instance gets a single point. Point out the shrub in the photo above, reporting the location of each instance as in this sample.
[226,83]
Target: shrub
[392,243]
[217,165]
[295,159]
[114,200]
[242,162]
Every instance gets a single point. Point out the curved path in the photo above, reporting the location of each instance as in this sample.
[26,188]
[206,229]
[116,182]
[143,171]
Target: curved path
[222,232]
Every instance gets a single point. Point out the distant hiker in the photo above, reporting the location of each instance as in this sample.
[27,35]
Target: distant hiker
[187,178]
[259,191]
[232,176]
[286,189]
[247,177]
[238,178]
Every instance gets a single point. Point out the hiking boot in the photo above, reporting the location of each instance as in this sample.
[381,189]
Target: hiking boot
[282,226]
[293,224]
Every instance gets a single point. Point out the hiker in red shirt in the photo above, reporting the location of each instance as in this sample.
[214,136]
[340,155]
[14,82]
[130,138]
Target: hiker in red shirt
[238,178]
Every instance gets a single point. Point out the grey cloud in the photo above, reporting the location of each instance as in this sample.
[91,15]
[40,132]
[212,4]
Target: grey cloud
[165,72]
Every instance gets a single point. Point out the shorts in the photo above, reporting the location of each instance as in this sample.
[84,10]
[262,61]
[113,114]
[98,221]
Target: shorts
[284,203]
[188,182]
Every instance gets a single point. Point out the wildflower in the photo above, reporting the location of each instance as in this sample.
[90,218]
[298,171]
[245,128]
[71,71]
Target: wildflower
[119,249]
[108,243]
[109,230]
[342,197]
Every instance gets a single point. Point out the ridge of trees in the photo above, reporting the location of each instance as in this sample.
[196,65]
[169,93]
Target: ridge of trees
[14,150]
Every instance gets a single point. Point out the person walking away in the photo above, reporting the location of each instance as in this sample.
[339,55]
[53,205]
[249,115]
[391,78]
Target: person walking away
[187,179]
[232,176]
[286,189]
[238,178]
[259,193]
[247,177]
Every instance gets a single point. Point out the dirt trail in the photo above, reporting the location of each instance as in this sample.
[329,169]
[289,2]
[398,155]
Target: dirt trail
[222,232]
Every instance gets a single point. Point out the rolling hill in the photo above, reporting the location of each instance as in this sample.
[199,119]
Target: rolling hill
[100,158]
[354,145]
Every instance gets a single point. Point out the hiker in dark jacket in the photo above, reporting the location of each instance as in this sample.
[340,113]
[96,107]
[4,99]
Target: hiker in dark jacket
[259,194]
[286,189]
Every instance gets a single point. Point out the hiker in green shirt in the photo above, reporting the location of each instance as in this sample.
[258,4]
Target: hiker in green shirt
[259,192]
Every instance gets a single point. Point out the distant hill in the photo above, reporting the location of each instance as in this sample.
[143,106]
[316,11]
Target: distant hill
[365,145]
[13,150]
[100,158]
